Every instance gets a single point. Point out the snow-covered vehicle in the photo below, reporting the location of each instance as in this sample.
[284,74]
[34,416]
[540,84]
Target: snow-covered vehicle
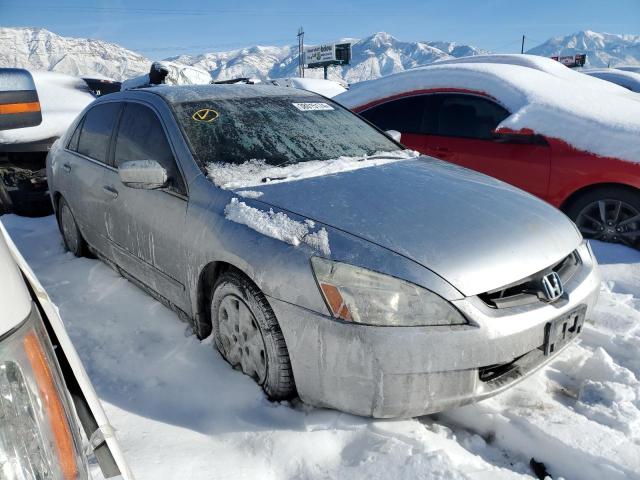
[57,98]
[46,397]
[570,139]
[627,79]
[335,263]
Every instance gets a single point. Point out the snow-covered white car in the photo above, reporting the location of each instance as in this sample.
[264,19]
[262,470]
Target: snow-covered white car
[46,397]
[627,79]
[570,139]
[48,103]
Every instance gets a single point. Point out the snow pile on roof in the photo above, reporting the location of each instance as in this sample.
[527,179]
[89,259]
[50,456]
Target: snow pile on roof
[589,119]
[278,225]
[543,64]
[257,172]
[178,75]
[623,78]
[62,97]
[327,88]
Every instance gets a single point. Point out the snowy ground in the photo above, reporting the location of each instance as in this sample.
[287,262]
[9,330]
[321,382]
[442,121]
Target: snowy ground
[182,412]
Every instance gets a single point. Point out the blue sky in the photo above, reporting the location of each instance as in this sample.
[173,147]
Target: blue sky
[163,28]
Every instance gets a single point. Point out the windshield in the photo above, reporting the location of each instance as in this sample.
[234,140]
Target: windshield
[278,130]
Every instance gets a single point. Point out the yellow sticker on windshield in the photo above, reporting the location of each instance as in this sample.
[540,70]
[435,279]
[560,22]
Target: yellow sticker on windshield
[205,115]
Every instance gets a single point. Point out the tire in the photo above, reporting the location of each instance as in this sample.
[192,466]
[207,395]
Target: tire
[71,236]
[609,214]
[248,336]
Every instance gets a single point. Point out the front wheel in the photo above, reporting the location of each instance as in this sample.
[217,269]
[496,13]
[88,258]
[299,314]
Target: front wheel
[247,334]
[608,214]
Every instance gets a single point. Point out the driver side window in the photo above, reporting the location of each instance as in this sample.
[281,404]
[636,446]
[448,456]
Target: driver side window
[141,137]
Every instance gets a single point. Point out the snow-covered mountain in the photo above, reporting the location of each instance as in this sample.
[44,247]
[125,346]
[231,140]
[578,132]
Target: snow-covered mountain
[40,49]
[377,55]
[374,56]
[602,49]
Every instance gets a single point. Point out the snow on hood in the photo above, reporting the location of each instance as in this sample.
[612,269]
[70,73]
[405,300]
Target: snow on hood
[62,97]
[178,75]
[255,172]
[588,118]
[278,225]
[623,78]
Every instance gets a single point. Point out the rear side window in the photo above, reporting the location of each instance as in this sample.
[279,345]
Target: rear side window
[96,131]
[468,116]
[141,137]
[73,143]
[404,115]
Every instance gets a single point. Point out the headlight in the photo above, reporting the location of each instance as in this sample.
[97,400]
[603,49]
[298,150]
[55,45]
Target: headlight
[38,432]
[363,296]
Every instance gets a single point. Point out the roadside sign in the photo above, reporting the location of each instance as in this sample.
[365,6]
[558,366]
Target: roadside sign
[571,61]
[327,54]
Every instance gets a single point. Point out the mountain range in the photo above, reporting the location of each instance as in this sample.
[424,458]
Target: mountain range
[374,56]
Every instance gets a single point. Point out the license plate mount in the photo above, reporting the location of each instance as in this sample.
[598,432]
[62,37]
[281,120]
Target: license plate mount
[561,330]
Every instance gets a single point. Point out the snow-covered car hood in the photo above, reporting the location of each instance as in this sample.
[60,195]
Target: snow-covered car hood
[476,232]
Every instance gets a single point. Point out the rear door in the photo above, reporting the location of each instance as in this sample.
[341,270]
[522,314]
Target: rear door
[147,226]
[84,173]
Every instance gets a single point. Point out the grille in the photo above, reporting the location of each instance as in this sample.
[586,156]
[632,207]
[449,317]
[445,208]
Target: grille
[529,290]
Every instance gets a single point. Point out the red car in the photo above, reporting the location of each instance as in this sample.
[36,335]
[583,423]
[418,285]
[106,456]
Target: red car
[498,119]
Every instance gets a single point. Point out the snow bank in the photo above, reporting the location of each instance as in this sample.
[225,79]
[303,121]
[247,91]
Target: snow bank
[257,172]
[278,225]
[62,97]
[590,119]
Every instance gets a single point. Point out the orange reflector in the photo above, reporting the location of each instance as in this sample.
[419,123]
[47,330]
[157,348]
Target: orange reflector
[19,107]
[336,302]
[53,406]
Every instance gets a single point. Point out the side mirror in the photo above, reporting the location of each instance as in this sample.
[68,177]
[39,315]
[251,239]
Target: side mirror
[19,103]
[146,174]
[394,135]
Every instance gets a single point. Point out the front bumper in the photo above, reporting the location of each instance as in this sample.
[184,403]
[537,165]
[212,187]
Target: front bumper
[410,371]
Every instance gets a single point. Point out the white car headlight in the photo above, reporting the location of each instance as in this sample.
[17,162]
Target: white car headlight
[39,437]
[363,296]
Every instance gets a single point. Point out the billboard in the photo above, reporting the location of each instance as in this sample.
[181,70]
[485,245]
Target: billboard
[571,61]
[327,54]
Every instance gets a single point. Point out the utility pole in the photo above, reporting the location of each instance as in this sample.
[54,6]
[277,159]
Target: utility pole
[301,52]
[522,47]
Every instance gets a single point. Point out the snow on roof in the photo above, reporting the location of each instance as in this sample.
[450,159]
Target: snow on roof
[327,88]
[590,119]
[62,97]
[543,64]
[178,75]
[624,78]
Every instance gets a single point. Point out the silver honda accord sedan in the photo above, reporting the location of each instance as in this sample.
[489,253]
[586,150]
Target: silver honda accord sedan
[325,259]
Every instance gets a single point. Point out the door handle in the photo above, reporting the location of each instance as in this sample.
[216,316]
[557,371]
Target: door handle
[66,167]
[112,192]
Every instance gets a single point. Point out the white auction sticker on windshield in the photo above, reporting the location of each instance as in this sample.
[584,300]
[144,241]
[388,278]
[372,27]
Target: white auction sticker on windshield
[313,107]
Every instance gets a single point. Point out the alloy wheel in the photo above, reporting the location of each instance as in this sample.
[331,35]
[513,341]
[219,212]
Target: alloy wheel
[241,338]
[610,220]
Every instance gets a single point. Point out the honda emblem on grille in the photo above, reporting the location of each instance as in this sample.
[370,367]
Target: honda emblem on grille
[552,286]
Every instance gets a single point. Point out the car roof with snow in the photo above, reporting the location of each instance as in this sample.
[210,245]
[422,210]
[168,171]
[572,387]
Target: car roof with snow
[589,118]
[194,93]
[536,62]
